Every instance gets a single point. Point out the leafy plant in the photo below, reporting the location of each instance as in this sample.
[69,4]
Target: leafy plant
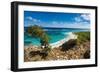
[38,32]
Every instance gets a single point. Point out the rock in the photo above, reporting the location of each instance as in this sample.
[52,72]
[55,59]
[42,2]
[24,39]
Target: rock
[34,53]
[68,45]
[87,54]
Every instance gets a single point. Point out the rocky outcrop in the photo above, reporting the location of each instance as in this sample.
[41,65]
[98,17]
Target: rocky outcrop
[67,51]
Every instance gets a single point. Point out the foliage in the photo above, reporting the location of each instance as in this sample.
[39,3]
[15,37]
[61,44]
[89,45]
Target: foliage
[82,37]
[38,32]
[35,31]
[45,39]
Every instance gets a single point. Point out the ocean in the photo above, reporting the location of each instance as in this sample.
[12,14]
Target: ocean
[55,34]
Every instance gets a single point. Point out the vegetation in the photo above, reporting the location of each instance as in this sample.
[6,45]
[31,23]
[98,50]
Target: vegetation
[82,37]
[73,49]
[38,32]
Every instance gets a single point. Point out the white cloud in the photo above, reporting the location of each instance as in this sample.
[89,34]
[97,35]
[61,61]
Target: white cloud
[85,16]
[69,25]
[76,25]
[29,21]
[79,22]
[29,18]
[78,19]
[54,22]
[32,19]
[82,17]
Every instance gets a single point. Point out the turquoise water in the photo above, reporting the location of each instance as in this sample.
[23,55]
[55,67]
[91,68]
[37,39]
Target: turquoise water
[54,34]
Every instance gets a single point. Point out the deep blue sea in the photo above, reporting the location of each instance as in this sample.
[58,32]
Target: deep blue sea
[55,35]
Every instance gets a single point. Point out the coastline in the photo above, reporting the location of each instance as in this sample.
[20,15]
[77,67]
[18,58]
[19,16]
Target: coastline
[80,51]
[59,43]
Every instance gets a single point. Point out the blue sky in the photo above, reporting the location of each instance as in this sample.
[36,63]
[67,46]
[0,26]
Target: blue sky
[55,19]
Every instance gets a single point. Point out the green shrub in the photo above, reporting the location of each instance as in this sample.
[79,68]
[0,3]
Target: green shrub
[82,37]
[37,32]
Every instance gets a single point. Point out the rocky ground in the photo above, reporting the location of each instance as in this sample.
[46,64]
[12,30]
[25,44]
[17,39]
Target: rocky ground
[33,53]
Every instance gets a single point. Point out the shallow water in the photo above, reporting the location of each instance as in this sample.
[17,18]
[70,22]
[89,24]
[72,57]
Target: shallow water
[55,35]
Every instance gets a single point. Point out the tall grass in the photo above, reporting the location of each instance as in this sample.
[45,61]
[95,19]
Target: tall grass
[82,37]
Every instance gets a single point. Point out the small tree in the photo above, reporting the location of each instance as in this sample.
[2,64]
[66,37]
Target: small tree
[38,32]
[45,40]
[35,31]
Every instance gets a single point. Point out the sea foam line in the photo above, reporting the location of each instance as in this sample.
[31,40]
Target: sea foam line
[59,43]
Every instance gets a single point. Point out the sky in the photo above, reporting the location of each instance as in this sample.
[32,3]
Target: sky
[57,19]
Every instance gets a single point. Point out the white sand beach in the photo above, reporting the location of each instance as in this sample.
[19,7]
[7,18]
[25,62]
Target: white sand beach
[59,43]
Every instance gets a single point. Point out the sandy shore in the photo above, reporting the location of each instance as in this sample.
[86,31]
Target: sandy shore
[59,43]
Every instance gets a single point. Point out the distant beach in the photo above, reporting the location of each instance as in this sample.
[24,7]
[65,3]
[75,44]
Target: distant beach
[59,43]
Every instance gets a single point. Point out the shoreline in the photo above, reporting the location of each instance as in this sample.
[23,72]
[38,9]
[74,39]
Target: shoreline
[78,51]
[59,43]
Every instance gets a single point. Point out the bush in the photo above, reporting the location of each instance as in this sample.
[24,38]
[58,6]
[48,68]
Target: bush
[82,37]
[38,32]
